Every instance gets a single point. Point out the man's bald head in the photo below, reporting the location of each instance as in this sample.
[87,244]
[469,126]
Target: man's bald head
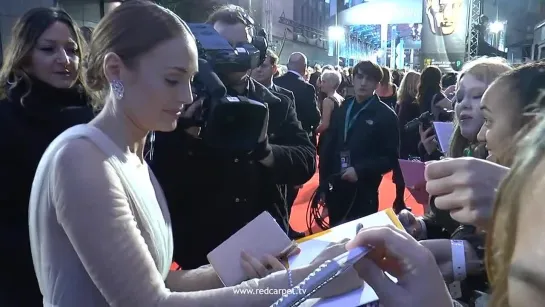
[298,62]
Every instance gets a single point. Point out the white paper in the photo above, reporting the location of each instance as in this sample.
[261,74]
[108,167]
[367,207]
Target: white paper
[261,236]
[443,132]
[312,248]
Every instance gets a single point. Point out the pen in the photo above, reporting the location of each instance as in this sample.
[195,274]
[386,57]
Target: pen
[292,250]
[325,273]
[358,228]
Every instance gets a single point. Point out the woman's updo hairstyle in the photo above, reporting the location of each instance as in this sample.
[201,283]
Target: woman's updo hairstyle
[130,31]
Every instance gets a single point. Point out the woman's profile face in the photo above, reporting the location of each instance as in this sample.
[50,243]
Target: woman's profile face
[54,59]
[468,106]
[502,121]
[325,85]
[319,83]
[157,89]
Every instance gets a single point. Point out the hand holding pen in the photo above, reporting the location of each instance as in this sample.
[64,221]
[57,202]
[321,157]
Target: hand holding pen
[394,251]
[372,253]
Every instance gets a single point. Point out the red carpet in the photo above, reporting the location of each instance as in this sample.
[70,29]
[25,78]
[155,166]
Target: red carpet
[386,199]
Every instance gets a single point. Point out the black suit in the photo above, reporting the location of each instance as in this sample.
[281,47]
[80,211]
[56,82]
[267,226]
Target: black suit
[291,191]
[305,100]
[280,90]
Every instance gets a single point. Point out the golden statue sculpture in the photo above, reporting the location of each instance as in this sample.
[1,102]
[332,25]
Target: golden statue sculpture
[444,15]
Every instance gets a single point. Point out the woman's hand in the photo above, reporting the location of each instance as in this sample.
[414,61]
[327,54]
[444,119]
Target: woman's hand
[332,251]
[428,139]
[410,223]
[259,269]
[442,251]
[466,187]
[420,283]
[345,283]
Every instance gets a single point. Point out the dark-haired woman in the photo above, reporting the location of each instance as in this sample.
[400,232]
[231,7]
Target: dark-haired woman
[429,90]
[41,97]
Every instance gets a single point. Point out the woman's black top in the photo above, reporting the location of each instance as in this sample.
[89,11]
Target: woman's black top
[28,127]
[408,140]
[336,106]
[391,100]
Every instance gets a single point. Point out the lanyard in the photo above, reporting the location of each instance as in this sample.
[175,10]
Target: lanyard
[349,122]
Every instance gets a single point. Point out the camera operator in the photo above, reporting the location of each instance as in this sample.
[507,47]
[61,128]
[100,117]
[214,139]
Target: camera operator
[224,191]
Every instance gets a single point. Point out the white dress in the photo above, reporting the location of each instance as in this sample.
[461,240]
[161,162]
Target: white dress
[61,275]
[101,236]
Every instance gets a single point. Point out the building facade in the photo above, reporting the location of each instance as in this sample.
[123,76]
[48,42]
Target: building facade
[292,25]
[10,10]
[85,12]
[301,26]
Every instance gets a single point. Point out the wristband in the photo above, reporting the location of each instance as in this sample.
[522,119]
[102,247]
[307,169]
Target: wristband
[455,289]
[458,259]
[458,268]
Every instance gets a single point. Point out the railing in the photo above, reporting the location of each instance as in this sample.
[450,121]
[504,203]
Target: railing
[319,41]
[298,26]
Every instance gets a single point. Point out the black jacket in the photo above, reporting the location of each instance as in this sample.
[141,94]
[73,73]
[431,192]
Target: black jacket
[409,140]
[373,142]
[27,132]
[305,99]
[211,195]
[391,100]
[278,89]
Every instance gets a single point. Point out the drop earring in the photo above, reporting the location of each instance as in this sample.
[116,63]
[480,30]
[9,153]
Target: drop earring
[118,89]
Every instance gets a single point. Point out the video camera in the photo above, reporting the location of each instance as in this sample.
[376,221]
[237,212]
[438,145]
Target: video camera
[426,119]
[227,123]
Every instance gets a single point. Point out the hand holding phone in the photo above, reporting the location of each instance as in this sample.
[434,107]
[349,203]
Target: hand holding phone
[428,139]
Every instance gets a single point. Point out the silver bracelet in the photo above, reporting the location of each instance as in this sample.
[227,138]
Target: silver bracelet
[290,279]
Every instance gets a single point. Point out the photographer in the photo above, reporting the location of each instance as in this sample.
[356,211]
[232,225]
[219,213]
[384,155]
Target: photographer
[224,191]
